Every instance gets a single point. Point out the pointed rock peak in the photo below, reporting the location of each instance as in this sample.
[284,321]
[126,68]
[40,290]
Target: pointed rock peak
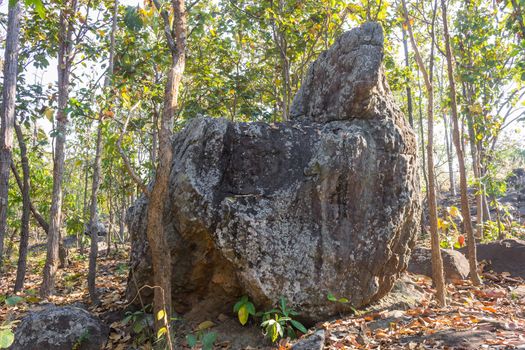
[347,80]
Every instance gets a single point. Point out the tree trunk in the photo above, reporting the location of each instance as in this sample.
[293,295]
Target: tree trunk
[437,260]
[161,255]
[7,113]
[26,208]
[450,159]
[407,80]
[93,210]
[38,217]
[80,239]
[93,219]
[64,69]
[465,209]
[282,46]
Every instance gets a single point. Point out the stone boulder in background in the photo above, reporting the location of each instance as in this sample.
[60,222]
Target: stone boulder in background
[60,328]
[455,264]
[325,203]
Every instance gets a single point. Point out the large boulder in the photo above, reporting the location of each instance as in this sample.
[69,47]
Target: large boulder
[455,264]
[60,328]
[325,203]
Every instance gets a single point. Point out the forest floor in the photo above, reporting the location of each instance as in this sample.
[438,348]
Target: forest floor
[491,316]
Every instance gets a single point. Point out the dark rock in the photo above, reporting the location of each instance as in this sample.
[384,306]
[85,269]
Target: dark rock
[314,341]
[346,81]
[506,255]
[60,328]
[298,209]
[455,264]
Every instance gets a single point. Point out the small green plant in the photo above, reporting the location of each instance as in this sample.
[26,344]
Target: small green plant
[331,297]
[205,339]
[244,308]
[122,268]
[137,320]
[13,300]
[7,337]
[84,337]
[278,322]
[341,301]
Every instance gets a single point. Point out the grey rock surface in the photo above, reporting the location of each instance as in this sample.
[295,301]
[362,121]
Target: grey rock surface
[60,328]
[505,255]
[314,341]
[299,209]
[347,81]
[455,264]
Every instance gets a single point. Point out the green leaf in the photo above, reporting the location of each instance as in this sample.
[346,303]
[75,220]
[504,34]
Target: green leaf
[6,338]
[251,308]
[191,340]
[331,297]
[343,300]
[138,327]
[299,326]
[208,340]
[13,300]
[132,19]
[237,306]
[39,8]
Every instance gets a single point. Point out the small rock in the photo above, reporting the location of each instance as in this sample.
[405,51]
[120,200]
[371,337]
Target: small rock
[60,328]
[455,264]
[311,342]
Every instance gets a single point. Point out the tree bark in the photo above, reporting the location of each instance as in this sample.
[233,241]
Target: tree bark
[437,260]
[93,207]
[7,113]
[26,208]
[465,209]
[450,158]
[282,46]
[176,36]
[64,69]
[407,80]
[38,217]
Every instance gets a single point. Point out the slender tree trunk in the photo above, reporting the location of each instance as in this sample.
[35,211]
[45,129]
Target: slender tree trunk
[450,158]
[154,137]
[93,219]
[64,69]
[465,209]
[407,80]
[476,167]
[282,46]
[437,260]
[9,246]
[161,255]
[7,113]
[26,209]
[38,217]
[122,222]
[93,208]
[80,238]
[422,134]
